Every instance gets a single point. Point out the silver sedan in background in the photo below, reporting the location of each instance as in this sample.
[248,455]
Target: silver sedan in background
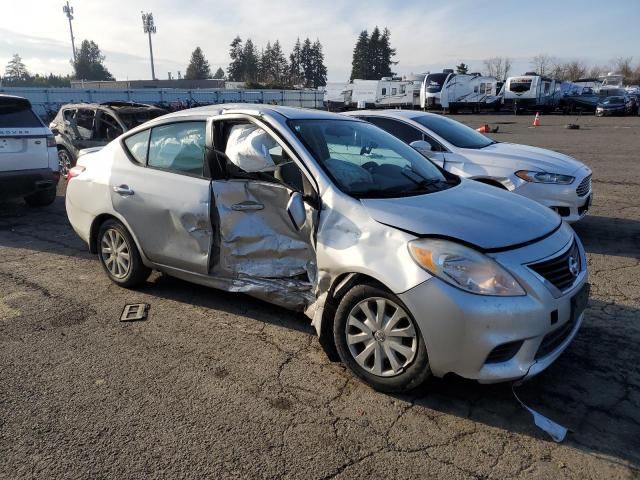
[553,179]
[406,270]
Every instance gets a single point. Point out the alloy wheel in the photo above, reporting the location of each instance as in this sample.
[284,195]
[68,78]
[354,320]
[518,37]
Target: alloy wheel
[381,337]
[115,253]
[64,162]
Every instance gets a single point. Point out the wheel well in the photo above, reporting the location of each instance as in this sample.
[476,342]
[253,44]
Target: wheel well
[340,286]
[490,181]
[95,226]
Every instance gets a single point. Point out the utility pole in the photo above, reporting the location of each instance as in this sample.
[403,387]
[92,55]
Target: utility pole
[68,11]
[149,28]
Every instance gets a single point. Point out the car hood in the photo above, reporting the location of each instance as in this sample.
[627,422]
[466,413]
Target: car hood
[482,215]
[523,157]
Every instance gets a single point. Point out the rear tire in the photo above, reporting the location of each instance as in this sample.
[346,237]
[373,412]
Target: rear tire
[389,354]
[41,198]
[65,161]
[119,255]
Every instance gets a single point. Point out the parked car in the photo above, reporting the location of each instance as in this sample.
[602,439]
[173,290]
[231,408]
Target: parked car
[617,105]
[28,159]
[553,179]
[90,125]
[405,269]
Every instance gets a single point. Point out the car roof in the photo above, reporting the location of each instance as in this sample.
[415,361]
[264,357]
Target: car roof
[400,114]
[9,99]
[292,113]
[115,106]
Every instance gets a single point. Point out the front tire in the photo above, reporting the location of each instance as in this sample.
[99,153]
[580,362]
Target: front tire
[119,255]
[378,339]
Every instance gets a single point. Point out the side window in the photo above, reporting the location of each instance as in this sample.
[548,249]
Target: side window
[404,132]
[68,115]
[252,153]
[107,128]
[84,122]
[394,91]
[138,145]
[384,91]
[178,147]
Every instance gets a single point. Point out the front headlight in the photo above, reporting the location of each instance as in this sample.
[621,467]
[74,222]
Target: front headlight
[544,177]
[464,267]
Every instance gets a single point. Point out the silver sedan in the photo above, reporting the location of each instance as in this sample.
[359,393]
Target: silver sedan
[553,179]
[406,270]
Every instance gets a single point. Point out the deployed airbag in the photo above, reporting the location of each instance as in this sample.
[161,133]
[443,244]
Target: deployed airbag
[248,148]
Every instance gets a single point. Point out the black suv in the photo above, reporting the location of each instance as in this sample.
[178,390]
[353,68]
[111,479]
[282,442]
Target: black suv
[88,125]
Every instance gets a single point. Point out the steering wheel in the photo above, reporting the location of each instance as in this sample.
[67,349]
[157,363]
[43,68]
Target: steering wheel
[370,167]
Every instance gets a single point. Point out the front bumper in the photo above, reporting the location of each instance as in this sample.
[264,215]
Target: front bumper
[19,183]
[562,198]
[461,329]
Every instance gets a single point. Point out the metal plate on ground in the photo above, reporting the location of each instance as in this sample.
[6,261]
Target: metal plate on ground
[134,312]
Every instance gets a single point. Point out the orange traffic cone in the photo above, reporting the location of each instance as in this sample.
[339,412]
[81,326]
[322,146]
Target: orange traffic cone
[483,129]
[536,121]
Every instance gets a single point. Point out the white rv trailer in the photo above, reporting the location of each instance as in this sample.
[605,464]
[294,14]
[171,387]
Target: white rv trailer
[398,92]
[531,92]
[472,91]
[334,95]
[431,87]
[387,92]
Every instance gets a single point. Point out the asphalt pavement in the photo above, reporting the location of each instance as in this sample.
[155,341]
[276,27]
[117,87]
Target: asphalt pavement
[220,385]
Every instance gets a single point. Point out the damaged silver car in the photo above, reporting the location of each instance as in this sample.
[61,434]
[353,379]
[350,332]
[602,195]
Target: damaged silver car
[405,270]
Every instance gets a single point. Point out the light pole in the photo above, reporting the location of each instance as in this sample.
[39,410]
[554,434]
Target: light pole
[149,28]
[68,11]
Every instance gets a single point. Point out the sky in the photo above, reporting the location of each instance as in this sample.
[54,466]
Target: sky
[428,35]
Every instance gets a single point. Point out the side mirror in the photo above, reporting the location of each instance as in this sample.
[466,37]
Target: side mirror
[422,147]
[296,210]
[54,130]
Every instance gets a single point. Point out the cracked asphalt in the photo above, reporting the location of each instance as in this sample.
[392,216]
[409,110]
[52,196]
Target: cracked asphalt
[219,385]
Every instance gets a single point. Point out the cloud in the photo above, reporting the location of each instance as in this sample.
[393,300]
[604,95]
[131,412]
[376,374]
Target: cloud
[427,34]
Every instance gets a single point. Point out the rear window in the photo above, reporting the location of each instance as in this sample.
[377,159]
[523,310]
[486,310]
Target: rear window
[15,115]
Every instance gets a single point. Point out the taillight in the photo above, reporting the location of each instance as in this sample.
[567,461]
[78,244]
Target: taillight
[74,172]
[51,141]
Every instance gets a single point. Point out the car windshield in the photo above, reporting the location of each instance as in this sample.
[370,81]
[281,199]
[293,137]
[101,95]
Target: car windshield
[454,132]
[133,119]
[364,161]
[614,101]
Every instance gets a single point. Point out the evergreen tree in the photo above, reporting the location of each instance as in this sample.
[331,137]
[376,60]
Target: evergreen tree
[198,68]
[296,75]
[89,63]
[306,61]
[16,71]
[249,62]
[462,68]
[236,67]
[360,57]
[319,78]
[264,61]
[386,54]
[219,75]
[374,56]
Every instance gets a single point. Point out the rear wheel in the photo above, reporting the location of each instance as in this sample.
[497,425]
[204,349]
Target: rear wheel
[41,198]
[119,255]
[378,339]
[65,161]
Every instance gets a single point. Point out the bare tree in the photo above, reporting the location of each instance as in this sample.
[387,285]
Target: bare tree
[498,67]
[622,65]
[572,70]
[542,64]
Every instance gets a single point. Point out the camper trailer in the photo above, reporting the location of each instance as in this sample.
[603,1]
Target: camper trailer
[334,95]
[471,91]
[431,88]
[398,92]
[531,92]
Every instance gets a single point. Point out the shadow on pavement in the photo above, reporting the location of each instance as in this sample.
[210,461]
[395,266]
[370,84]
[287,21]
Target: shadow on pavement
[609,236]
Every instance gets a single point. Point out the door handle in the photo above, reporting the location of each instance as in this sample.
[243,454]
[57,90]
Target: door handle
[247,206]
[123,190]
